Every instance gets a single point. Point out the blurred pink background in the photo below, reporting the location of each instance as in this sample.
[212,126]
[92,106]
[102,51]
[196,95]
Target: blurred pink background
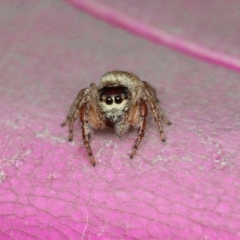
[186,188]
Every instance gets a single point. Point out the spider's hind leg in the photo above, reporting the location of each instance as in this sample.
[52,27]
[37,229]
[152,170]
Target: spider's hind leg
[163,116]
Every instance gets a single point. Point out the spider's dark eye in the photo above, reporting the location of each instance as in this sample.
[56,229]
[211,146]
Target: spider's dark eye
[109,100]
[101,99]
[118,99]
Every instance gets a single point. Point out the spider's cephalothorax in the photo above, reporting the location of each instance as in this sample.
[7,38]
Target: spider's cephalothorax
[114,102]
[120,101]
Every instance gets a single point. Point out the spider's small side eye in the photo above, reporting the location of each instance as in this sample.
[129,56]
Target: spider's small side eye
[101,99]
[109,100]
[118,99]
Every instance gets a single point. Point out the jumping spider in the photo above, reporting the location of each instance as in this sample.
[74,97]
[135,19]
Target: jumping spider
[121,101]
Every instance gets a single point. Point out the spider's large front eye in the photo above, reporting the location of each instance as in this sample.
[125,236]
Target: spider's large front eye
[109,100]
[118,99]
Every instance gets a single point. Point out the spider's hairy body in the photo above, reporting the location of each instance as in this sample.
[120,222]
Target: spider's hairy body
[121,101]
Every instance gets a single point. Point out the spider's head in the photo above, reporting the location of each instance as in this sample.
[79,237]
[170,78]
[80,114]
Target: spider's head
[114,102]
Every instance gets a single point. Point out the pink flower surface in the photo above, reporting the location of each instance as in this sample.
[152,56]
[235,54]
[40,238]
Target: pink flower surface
[186,188]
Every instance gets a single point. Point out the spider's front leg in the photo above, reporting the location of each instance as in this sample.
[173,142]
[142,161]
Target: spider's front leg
[143,110]
[84,106]
[156,110]
[84,111]
[73,112]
